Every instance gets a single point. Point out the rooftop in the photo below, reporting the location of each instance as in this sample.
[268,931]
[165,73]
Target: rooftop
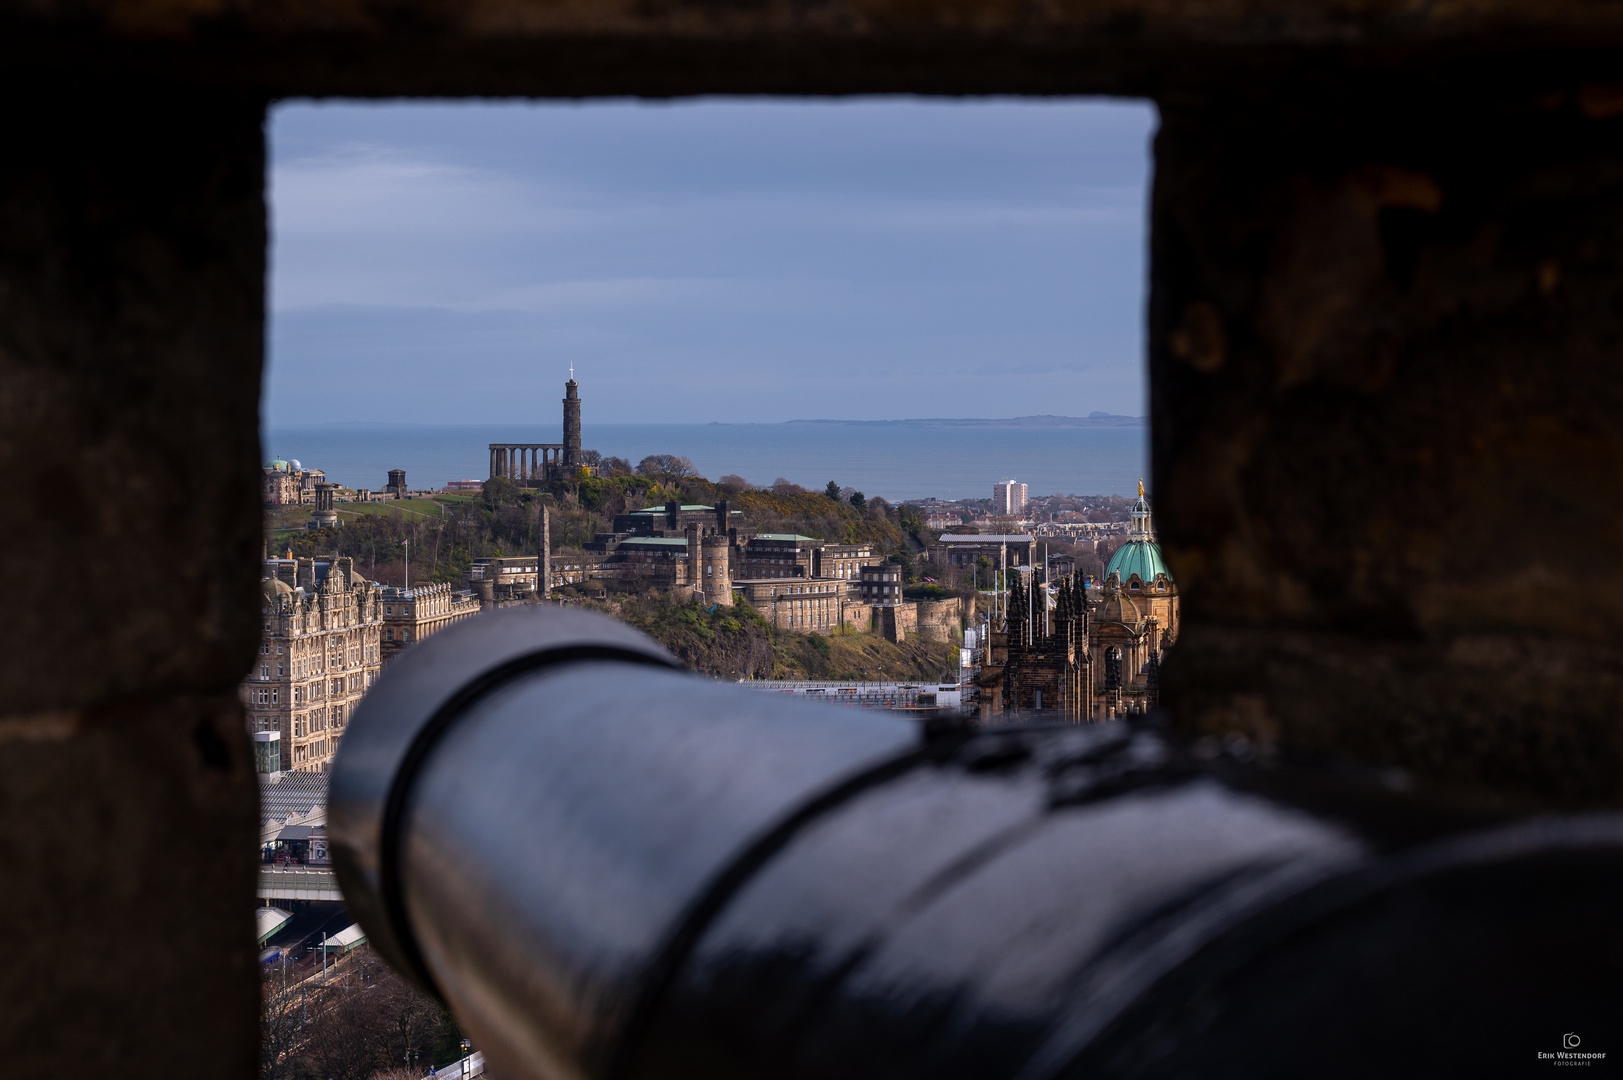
[1141,558]
[784,536]
[985,538]
[293,794]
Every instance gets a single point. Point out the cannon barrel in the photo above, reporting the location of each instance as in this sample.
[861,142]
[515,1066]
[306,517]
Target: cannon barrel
[611,868]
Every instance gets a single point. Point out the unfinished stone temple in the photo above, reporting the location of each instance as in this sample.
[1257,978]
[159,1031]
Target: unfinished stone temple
[531,464]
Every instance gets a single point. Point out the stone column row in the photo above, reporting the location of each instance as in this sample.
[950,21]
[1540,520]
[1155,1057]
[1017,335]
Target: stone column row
[524,461]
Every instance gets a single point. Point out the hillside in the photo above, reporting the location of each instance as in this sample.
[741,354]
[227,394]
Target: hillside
[736,643]
[446,533]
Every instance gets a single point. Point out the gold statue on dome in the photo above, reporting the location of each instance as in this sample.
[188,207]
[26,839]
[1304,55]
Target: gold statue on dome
[1141,488]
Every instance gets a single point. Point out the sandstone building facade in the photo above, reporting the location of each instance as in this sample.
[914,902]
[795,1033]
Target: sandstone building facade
[287,483]
[1092,653]
[412,614]
[320,651]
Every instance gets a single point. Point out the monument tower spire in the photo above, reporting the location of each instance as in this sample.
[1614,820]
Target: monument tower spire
[571,423]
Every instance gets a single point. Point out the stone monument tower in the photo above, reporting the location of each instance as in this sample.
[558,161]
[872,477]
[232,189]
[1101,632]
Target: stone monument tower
[571,460]
[324,516]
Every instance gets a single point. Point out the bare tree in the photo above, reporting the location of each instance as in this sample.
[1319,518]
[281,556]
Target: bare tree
[344,1034]
[666,465]
[412,1017]
[281,1023]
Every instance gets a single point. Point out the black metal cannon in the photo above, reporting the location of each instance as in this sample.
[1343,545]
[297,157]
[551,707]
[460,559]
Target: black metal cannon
[610,868]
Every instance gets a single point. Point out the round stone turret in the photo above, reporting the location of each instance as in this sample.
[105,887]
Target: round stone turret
[716,580]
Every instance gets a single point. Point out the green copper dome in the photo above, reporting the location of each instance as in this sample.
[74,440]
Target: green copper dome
[1141,557]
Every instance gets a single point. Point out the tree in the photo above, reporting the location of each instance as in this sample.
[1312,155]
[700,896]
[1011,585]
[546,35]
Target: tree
[615,466]
[832,491]
[733,481]
[344,1042]
[591,457]
[412,1019]
[782,486]
[499,490]
[281,1023]
[672,466]
[859,500]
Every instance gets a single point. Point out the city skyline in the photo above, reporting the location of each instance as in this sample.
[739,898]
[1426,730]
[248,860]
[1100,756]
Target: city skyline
[707,261]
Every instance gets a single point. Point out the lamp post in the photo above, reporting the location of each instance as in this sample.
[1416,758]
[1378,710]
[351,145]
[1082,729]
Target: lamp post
[465,1065]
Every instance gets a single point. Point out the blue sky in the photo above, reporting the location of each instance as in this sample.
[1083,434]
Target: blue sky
[712,260]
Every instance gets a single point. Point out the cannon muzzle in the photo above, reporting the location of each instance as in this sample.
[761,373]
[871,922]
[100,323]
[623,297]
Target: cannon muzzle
[611,868]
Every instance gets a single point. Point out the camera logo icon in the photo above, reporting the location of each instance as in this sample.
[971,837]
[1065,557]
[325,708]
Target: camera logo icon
[1570,1041]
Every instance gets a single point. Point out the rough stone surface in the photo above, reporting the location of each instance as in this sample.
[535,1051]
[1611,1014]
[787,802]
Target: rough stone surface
[1384,356]
[1384,332]
[132,235]
[127,920]
[669,47]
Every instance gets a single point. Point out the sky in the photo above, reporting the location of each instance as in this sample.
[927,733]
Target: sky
[711,260]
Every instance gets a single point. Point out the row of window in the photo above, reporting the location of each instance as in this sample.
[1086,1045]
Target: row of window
[318,720]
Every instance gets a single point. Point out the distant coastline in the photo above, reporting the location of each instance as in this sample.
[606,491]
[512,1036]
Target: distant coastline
[904,459]
[1092,420]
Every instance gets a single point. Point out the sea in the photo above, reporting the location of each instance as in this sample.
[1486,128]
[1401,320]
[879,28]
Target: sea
[896,461]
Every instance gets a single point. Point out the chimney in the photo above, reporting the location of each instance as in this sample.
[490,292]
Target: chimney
[307,574]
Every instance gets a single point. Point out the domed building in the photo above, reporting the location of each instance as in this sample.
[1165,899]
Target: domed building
[1136,618]
[1086,652]
[287,483]
[1137,564]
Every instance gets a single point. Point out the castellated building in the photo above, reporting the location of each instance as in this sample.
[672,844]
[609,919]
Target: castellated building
[319,652]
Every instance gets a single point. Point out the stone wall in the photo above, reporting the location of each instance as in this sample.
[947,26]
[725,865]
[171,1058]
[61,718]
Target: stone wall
[939,620]
[1381,342]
